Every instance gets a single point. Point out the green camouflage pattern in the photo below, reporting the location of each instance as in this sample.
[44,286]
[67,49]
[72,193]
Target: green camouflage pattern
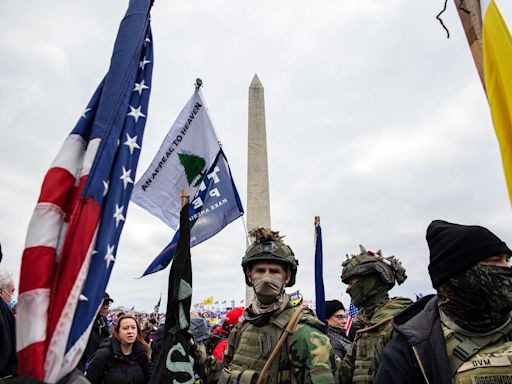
[312,356]
[480,359]
[390,269]
[490,365]
[362,360]
[307,354]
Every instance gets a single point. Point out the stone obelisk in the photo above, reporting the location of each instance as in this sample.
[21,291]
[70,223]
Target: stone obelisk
[258,198]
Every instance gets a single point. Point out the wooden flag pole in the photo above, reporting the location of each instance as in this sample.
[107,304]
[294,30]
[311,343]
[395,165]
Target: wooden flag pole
[316,223]
[471,18]
[184,197]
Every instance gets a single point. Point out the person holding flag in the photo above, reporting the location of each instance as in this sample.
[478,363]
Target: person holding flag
[275,341]
[369,277]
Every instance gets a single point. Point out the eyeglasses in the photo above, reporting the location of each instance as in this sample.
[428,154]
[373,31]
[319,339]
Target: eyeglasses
[7,291]
[340,317]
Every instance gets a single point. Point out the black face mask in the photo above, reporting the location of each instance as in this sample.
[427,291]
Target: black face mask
[482,297]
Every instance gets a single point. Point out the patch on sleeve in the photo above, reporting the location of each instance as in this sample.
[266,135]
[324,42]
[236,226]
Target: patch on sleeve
[493,379]
[489,359]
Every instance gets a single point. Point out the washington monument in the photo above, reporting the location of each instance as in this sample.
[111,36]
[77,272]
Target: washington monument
[258,198]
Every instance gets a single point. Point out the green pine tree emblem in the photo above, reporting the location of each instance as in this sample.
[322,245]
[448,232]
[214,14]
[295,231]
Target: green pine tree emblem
[195,168]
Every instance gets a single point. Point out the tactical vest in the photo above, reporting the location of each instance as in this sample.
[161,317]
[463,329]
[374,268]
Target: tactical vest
[369,344]
[480,360]
[253,346]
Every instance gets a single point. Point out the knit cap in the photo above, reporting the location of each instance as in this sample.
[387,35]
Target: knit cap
[331,307]
[456,247]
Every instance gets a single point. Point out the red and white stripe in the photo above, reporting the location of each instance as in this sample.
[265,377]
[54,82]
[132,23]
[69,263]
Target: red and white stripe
[53,264]
[350,319]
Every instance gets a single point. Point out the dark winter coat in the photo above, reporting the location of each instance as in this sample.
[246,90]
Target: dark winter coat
[339,341]
[99,332]
[8,363]
[110,366]
[156,346]
[418,352]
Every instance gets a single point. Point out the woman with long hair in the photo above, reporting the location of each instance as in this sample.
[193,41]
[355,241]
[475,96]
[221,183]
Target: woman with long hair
[123,357]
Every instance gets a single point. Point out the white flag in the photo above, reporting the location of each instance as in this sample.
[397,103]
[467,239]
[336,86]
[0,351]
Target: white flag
[181,162]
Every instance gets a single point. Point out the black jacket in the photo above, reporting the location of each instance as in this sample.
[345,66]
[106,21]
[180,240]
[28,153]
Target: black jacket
[156,346]
[418,350]
[99,332]
[110,366]
[8,363]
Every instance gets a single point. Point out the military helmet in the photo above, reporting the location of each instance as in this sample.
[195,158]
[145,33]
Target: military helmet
[389,269]
[268,246]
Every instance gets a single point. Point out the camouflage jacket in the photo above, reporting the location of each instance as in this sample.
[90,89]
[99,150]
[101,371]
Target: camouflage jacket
[362,360]
[306,354]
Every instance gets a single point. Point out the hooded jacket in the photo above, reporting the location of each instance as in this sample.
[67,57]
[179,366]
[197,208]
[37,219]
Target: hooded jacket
[110,366]
[417,354]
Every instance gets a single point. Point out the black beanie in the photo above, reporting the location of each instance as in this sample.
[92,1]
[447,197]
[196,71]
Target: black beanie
[331,307]
[456,247]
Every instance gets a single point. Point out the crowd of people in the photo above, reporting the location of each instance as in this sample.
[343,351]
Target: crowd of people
[461,334]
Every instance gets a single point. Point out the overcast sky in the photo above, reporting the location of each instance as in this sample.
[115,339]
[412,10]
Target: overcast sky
[376,122]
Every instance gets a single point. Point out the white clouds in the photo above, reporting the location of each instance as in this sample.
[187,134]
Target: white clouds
[375,121]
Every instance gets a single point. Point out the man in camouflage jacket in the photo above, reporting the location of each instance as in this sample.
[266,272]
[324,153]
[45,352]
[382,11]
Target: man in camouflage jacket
[369,277]
[305,355]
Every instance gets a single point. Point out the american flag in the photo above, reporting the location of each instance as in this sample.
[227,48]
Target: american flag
[351,313]
[72,237]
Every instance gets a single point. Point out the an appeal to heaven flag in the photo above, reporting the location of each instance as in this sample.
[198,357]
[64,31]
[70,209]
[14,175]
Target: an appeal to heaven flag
[215,205]
[72,238]
[184,157]
[497,58]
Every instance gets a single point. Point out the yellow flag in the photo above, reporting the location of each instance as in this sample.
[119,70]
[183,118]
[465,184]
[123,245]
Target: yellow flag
[497,57]
[208,300]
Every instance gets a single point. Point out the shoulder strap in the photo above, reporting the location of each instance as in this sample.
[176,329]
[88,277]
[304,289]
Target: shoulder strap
[460,348]
[289,330]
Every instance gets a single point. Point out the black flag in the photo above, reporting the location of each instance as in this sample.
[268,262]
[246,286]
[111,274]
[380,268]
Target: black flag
[175,363]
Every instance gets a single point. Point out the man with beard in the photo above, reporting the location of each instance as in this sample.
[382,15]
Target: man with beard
[464,333]
[275,341]
[369,277]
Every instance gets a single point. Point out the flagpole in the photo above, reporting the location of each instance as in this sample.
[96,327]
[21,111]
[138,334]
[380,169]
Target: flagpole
[470,16]
[319,280]
[316,224]
[184,197]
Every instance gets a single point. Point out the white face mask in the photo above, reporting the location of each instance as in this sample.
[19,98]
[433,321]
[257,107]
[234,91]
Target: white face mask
[268,288]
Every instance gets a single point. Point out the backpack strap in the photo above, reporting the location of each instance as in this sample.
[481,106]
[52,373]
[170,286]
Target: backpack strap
[288,331]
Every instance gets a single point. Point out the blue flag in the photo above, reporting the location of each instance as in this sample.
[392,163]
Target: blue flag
[215,205]
[319,279]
